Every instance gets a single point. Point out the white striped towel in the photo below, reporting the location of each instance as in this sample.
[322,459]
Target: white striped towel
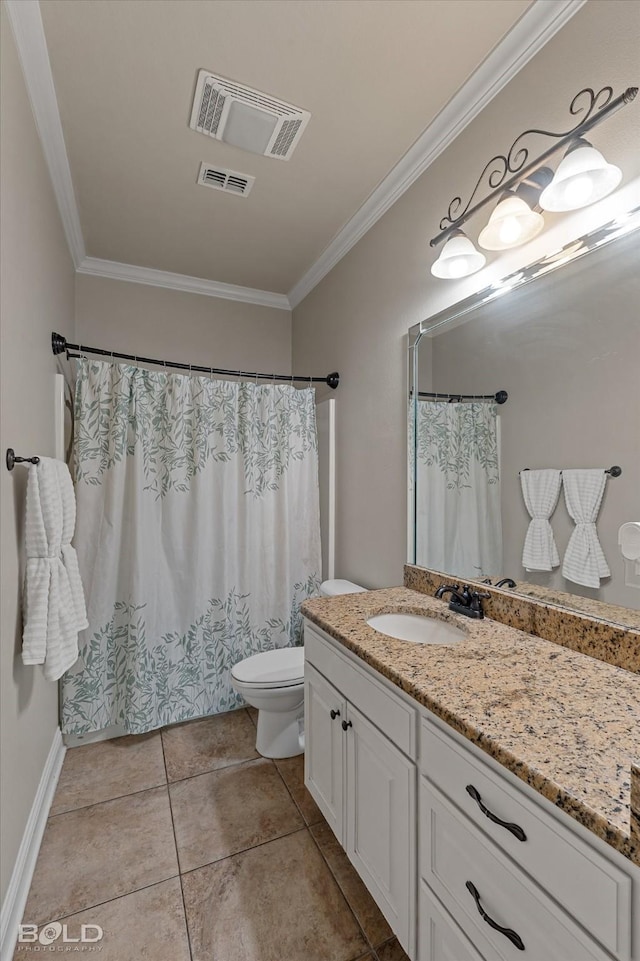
[540,489]
[584,561]
[54,607]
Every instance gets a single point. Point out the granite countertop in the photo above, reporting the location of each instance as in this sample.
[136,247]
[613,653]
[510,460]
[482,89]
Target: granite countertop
[564,722]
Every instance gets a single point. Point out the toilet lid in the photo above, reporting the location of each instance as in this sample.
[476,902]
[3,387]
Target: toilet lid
[281,667]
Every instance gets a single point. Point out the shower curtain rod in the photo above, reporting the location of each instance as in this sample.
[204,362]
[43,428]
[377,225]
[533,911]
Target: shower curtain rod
[60,345]
[500,397]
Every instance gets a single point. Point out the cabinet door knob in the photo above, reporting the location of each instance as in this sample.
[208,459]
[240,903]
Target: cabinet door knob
[346,725]
[514,828]
[508,932]
[334,714]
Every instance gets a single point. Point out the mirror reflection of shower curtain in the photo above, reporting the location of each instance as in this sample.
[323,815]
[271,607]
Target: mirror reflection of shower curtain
[458,516]
[198,536]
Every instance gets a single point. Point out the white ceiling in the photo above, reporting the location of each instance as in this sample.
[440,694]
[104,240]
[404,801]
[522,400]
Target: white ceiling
[373,74]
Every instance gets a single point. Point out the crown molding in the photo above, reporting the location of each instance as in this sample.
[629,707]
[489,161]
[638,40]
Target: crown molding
[538,25]
[28,31]
[192,285]
[534,29]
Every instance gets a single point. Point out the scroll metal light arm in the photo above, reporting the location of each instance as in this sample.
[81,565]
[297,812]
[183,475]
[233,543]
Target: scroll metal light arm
[506,171]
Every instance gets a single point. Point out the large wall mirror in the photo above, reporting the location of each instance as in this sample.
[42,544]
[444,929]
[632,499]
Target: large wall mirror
[562,339]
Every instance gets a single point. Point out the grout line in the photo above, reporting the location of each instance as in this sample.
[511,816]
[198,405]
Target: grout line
[253,847]
[175,844]
[218,770]
[289,791]
[117,897]
[109,800]
[117,797]
[371,949]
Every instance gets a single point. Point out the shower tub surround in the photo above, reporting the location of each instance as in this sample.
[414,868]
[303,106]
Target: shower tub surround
[565,723]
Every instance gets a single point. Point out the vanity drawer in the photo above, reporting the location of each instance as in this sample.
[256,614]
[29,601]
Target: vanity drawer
[440,938]
[384,708]
[584,883]
[453,853]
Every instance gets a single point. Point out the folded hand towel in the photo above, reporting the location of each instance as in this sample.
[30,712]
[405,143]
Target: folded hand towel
[54,607]
[540,489]
[584,561]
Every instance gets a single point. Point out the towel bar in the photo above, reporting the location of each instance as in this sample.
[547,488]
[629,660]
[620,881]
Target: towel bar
[12,459]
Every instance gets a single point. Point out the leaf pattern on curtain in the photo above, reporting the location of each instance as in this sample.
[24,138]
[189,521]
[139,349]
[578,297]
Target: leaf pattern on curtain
[457,488]
[182,423]
[127,679]
[451,436]
[198,537]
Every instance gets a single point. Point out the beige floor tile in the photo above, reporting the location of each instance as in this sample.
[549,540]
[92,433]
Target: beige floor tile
[253,714]
[360,901]
[277,902]
[109,769]
[148,925]
[102,852]
[223,812]
[292,771]
[214,742]
[391,951]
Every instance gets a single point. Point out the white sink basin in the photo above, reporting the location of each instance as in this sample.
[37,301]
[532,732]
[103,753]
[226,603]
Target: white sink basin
[416,628]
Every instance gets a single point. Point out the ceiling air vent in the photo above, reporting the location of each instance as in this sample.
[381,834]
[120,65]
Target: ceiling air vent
[228,180]
[246,118]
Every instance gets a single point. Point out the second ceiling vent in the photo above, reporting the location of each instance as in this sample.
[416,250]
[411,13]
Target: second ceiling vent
[230,181]
[246,118]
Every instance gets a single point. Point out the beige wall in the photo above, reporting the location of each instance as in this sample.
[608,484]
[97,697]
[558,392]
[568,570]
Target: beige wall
[356,319]
[36,296]
[189,328]
[567,350]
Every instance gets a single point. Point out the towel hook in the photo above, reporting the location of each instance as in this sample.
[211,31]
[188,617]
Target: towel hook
[12,459]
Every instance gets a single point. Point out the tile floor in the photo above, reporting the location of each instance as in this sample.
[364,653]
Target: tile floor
[186,845]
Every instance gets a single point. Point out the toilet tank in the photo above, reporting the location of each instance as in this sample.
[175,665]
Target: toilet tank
[335,587]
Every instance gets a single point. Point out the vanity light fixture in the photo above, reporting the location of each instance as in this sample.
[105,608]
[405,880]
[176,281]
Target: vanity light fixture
[582,178]
[511,224]
[458,258]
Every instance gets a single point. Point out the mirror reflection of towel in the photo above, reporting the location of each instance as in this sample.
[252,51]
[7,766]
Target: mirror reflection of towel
[540,489]
[584,561]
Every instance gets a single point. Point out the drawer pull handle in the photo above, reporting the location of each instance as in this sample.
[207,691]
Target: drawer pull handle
[508,932]
[514,828]
[334,714]
[346,725]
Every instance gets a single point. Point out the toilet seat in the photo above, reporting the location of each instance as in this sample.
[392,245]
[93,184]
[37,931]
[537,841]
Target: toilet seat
[281,667]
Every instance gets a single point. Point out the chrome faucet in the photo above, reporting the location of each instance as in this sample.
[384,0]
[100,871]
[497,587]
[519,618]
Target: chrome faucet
[463,600]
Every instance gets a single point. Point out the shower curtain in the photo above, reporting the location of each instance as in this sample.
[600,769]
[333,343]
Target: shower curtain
[458,519]
[197,534]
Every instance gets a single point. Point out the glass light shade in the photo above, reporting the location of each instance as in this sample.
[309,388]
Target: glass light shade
[582,178]
[458,258]
[512,223]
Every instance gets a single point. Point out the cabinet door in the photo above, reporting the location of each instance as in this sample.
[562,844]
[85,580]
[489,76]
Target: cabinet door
[324,711]
[440,937]
[380,835]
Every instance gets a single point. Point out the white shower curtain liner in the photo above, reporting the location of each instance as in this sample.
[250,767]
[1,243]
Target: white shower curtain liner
[197,536]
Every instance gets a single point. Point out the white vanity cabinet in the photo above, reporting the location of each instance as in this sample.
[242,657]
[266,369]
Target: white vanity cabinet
[361,780]
[466,862]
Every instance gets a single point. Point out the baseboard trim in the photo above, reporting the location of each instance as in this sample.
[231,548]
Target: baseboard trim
[16,896]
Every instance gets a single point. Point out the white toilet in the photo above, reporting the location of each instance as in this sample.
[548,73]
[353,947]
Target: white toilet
[273,682]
